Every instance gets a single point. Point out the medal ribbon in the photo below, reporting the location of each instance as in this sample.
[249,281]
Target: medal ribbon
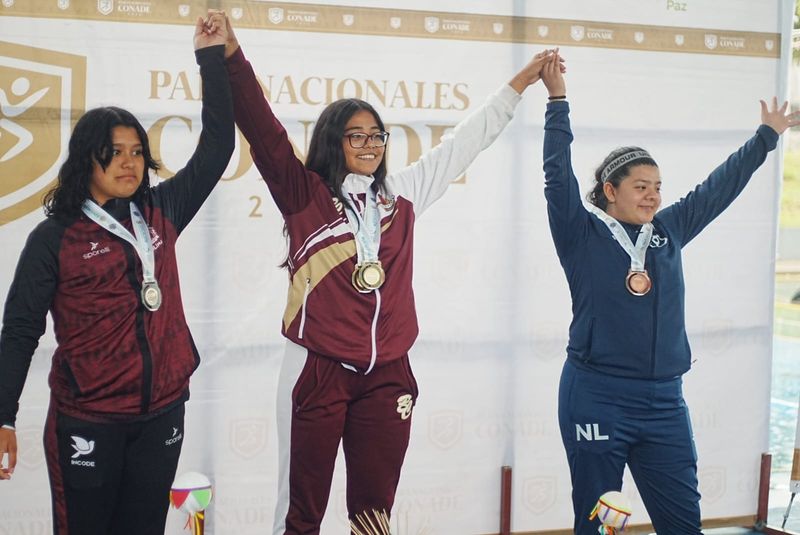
[367,229]
[636,252]
[368,242]
[141,243]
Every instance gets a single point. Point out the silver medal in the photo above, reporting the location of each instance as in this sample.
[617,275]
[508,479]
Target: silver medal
[151,296]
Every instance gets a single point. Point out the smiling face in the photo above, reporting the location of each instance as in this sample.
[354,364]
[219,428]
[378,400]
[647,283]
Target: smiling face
[638,196]
[363,161]
[124,173]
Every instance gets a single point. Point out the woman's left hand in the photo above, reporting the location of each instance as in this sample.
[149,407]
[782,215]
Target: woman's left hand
[777,118]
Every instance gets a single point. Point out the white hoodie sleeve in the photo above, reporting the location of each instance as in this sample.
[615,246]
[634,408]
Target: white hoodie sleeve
[425,180]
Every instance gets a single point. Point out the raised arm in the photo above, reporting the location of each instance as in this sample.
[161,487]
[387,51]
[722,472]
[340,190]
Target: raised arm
[24,322]
[564,207]
[426,180]
[184,194]
[702,205]
[287,178]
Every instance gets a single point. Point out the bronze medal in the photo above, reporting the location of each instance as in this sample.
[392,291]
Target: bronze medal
[151,296]
[638,282]
[368,276]
[356,284]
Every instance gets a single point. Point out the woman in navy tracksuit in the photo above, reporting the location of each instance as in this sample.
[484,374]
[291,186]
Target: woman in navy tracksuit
[620,397]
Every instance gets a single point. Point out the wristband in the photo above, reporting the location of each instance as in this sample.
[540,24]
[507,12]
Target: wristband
[559,97]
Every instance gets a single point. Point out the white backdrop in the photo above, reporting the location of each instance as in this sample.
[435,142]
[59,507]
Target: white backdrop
[681,78]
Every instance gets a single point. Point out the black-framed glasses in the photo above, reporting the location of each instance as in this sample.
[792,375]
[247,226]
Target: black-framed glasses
[358,140]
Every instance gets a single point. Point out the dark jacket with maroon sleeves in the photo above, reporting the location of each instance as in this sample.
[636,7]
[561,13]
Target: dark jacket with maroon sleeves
[115,360]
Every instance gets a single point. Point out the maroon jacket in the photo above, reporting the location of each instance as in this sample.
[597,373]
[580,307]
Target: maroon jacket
[324,312]
[115,359]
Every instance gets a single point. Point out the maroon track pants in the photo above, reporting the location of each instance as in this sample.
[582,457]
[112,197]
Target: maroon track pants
[370,414]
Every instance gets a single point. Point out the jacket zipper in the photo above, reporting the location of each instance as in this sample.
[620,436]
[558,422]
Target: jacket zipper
[374,331]
[655,323]
[141,333]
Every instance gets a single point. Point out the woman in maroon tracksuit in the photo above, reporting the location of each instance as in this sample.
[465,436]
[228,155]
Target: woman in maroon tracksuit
[103,263]
[350,318]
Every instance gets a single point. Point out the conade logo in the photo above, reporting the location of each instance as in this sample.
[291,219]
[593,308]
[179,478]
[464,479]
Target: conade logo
[42,93]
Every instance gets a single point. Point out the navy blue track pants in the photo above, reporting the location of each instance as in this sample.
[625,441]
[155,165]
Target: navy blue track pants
[607,422]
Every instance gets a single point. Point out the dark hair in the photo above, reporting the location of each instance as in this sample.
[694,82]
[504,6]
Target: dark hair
[90,142]
[597,196]
[325,155]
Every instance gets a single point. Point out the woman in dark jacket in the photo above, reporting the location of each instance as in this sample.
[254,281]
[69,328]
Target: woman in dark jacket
[103,263]
[620,397]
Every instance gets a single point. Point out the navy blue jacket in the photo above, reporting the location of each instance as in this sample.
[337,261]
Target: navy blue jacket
[613,331]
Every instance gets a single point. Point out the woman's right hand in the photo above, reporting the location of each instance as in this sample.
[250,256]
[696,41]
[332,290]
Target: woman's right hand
[231,43]
[553,78]
[8,446]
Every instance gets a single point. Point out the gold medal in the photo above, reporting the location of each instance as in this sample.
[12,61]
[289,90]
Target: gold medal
[368,276]
[638,282]
[151,296]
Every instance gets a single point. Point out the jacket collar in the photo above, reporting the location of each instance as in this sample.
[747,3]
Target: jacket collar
[356,184]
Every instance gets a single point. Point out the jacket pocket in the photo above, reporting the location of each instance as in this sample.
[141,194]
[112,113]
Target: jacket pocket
[310,385]
[587,356]
[71,381]
[412,381]
[89,454]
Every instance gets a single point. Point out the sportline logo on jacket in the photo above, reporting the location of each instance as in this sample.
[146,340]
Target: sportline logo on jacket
[33,83]
[94,251]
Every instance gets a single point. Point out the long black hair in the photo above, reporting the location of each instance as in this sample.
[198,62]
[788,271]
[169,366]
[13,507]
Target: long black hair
[325,155]
[597,196]
[90,142]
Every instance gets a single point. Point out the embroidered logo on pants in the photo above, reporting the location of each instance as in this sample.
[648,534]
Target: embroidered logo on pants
[82,447]
[589,432]
[175,437]
[404,405]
